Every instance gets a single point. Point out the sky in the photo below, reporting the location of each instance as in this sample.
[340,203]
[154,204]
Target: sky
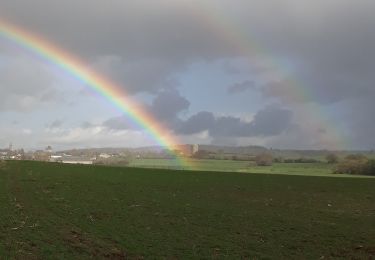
[286,74]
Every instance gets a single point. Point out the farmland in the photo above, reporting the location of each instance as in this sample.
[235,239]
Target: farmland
[54,211]
[315,169]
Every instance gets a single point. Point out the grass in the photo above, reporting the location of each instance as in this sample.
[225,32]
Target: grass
[311,169]
[55,211]
[201,164]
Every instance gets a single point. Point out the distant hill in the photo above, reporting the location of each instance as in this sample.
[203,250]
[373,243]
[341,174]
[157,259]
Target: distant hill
[223,150]
[251,149]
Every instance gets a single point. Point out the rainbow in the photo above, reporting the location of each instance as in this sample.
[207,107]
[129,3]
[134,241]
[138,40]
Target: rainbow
[215,17]
[104,87]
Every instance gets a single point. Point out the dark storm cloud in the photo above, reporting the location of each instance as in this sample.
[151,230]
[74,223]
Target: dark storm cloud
[147,42]
[270,121]
[324,47]
[148,75]
[362,124]
[330,46]
[165,108]
[197,123]
[168,105]
[331,42]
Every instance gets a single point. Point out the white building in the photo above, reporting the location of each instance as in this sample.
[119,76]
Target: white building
[105,155]
[76,160]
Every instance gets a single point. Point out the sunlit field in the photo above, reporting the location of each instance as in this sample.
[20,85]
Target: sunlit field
[57,211]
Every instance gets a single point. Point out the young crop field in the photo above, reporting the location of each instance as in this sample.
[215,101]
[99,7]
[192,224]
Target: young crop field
[56,211]
[311,169]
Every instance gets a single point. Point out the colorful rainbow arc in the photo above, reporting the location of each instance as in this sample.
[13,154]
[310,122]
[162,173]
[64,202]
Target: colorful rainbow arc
[214,17]
[105,88]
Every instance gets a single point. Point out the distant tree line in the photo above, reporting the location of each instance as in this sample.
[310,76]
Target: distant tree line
[263,159]
[356,164]
[301,160]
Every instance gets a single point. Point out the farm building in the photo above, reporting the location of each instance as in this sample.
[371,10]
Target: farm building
[76,160]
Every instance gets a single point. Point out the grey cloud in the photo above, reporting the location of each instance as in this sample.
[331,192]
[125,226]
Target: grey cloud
[225,141]
[25,84]
[150,41]
[241,87]
[324,47]
[361,128]
[331,43]
[86,125]
[168,104]
[270,121]
[56,124]
[165,108]
[331,48]
[230,68]
[197,123]
[229,126]
[148,75]
[118,123]
[285,90]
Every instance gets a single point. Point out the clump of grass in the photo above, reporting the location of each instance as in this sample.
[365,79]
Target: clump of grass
[3,165]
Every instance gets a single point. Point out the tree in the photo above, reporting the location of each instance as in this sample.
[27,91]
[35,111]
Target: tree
[3,164]
[201,154]
[356,156]
[278,159]
[357,165]
[370,169]
[264,159]
[332,158]
[351,167]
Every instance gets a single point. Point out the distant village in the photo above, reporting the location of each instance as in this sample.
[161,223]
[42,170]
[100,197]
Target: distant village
[123,156]
[96,156]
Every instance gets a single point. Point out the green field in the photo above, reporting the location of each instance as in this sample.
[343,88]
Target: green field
[56,211]
[311,169]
